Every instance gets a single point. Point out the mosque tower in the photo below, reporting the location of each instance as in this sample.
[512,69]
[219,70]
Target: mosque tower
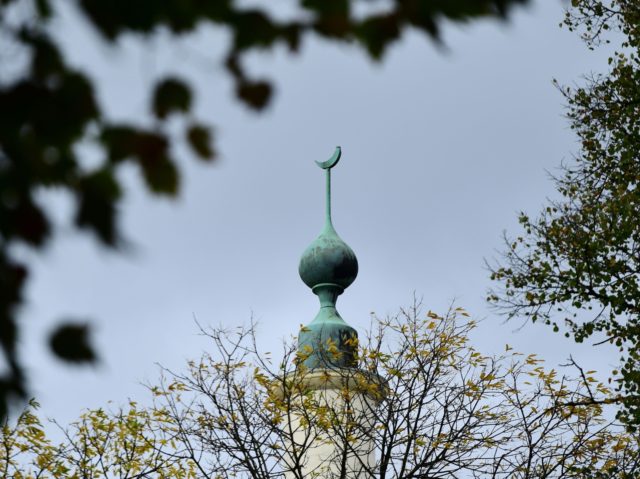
[327,352]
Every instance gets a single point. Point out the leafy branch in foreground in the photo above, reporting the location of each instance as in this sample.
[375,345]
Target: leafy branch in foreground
[576,266]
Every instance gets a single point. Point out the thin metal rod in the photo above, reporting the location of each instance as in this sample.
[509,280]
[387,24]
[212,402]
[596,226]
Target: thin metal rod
[328,209]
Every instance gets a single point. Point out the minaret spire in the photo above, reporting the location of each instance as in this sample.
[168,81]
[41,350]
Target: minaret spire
[328,266]
[328,370]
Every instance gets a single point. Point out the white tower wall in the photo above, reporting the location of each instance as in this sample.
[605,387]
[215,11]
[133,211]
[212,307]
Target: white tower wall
[332,428]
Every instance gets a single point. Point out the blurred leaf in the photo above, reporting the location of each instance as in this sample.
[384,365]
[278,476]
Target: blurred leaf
[120,142]
[161,174]
[47,58]
[44,8]
[98,194]
[291,35]
[171,95]
[252,28]
[22,218]
[334,26]
[254,94]
[127,142]
[71,342]
[12,278]
[324,7]
[149,150]
[31,223]
[377,33]
[199,138]
[116,17]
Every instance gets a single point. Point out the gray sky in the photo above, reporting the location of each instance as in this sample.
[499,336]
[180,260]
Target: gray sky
[441,149]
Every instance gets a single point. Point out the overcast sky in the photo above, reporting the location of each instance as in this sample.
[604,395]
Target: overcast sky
[441,149]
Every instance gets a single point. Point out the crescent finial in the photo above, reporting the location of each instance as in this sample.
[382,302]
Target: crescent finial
[331,162]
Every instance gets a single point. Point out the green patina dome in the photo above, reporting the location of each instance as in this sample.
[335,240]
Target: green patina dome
[328,260]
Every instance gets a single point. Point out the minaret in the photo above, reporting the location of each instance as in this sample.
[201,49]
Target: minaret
[328,266]
[334,434]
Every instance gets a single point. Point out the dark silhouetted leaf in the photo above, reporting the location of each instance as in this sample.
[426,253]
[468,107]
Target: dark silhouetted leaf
[171,95]
[12,278]
[120,142]
[71,342]
[44,8]
[47,59]
[334,26]
[160,174]
[127,142]
[253,28]
[21,218]
[324,7]
[199,138]
[149,150]
[31,223]
[255,94]
[98,194]
[115,17]
[291,35]
[377,33]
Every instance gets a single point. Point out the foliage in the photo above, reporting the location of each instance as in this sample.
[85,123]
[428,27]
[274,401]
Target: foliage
[126,443]
[576,267]
[422,398]
[49,109]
